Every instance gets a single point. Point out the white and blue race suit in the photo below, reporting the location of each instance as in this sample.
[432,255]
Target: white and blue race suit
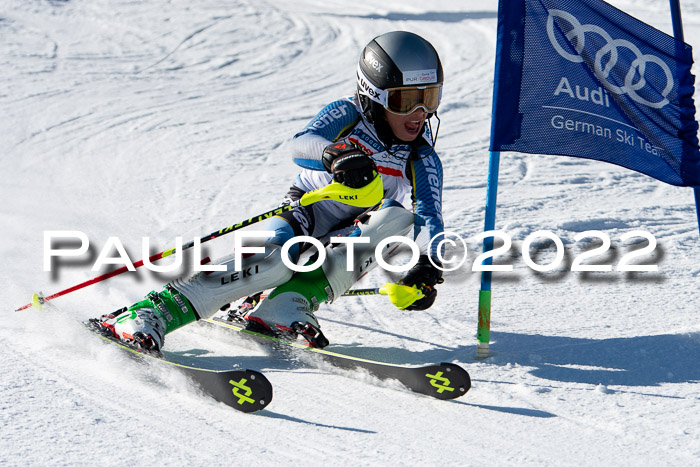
[412,178]
[411,174]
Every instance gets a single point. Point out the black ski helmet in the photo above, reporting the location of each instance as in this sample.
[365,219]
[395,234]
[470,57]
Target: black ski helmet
[394,60]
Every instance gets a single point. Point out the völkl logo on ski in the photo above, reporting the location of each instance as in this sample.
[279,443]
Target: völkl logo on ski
[440,382]
[241,385]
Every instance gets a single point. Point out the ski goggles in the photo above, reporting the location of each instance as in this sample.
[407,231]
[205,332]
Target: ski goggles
[404,101]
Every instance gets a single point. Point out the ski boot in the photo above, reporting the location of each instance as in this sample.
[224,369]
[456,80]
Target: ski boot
[141,328]
[288,312]
[145,324]
[285,316]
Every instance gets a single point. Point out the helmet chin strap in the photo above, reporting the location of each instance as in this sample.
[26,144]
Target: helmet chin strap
[437,130]
[433,135]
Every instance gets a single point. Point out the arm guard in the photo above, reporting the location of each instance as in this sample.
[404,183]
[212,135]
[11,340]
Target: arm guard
[331,123]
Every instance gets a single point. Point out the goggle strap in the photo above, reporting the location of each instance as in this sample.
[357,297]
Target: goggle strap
[368,89]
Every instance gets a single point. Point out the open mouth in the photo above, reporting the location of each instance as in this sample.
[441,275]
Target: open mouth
[413,127]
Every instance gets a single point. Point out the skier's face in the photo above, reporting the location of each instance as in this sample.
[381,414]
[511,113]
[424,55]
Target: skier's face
[406,127]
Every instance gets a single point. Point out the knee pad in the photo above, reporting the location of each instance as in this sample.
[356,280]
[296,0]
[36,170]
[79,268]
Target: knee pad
[209,291]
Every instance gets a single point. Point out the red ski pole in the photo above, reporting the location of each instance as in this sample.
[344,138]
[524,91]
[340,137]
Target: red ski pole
[366,196]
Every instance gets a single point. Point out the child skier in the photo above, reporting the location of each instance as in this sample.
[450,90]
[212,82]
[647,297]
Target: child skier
[381,131]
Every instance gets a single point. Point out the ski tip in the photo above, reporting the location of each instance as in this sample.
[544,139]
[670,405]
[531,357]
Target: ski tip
[449,381]
[250,392]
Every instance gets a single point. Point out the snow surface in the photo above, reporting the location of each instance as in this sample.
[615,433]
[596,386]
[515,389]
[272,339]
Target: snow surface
[169,118]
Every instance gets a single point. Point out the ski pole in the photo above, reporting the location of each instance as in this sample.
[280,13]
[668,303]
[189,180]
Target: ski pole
[402,296]
[38,300]
[366,196]
[390,289]
[357,292]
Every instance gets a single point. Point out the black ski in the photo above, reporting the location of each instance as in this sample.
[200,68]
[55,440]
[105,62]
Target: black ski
[442,381]
[244,390]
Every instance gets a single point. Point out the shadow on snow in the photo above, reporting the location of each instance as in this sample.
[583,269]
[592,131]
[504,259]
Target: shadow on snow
[626,361]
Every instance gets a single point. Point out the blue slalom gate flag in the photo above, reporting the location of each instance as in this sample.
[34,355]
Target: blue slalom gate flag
[582,78]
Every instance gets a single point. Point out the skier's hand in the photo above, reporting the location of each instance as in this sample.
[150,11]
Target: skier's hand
[425,276]
[349,164]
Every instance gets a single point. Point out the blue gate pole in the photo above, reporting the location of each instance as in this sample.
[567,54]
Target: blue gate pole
[678,34]
[483,332]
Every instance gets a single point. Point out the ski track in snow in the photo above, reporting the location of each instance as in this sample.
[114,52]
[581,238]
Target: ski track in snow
[165,119]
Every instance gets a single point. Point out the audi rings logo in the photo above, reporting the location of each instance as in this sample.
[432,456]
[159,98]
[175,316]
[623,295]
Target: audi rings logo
[577,37]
